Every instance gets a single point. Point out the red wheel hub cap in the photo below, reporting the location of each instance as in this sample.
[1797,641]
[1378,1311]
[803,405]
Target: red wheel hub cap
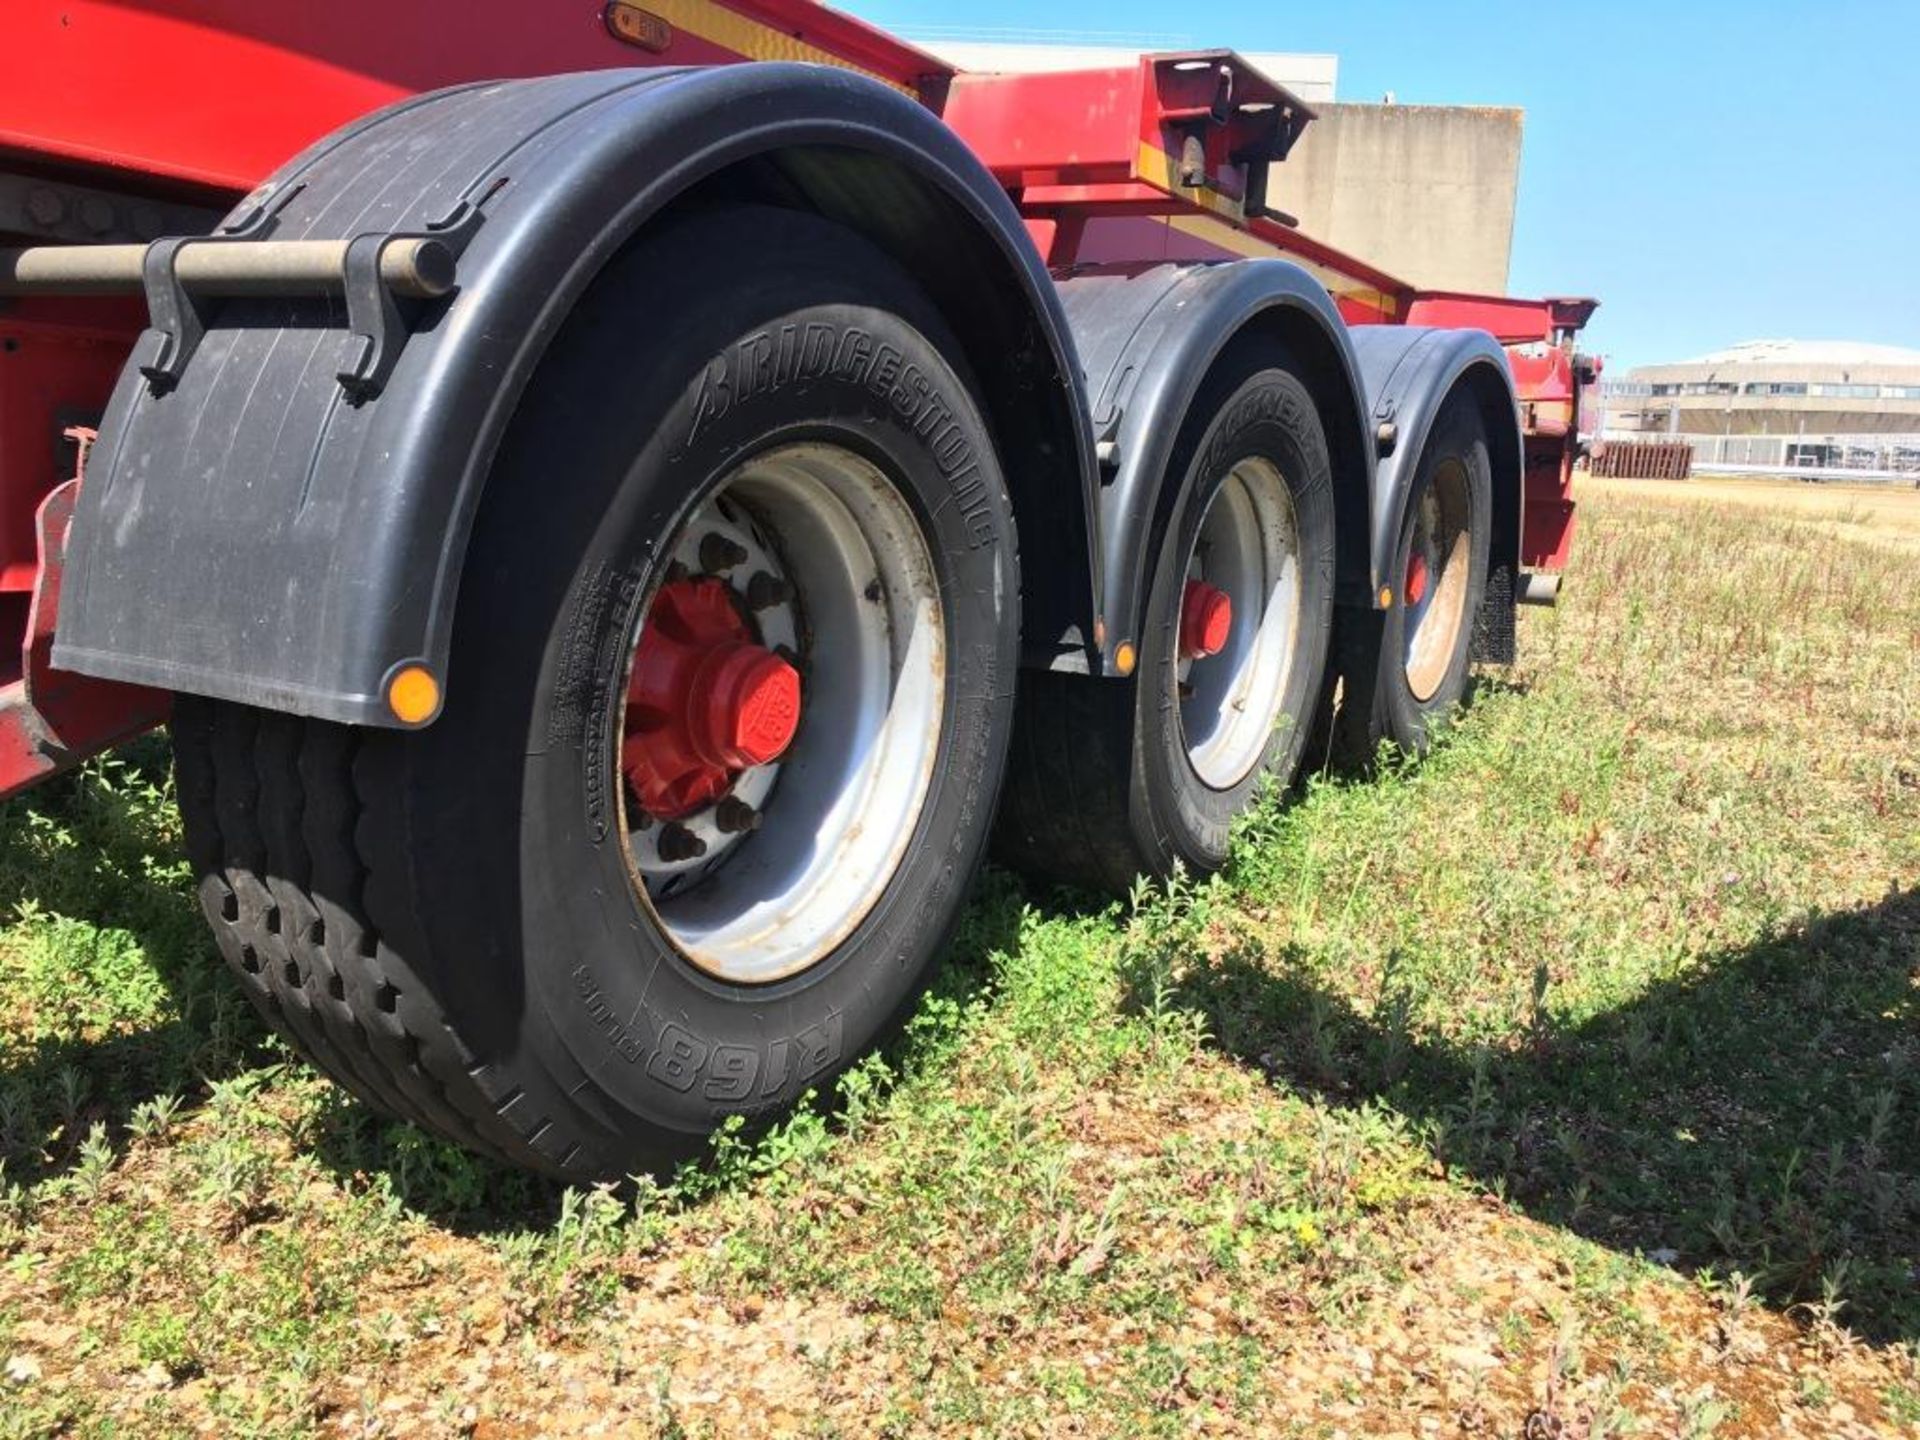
[1206,620]
[705,701]
[1416,587]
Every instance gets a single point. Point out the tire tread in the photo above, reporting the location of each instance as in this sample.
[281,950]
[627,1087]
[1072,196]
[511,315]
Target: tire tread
[1062,814]
[293,863]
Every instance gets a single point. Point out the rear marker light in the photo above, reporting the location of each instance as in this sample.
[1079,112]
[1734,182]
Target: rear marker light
[634,26]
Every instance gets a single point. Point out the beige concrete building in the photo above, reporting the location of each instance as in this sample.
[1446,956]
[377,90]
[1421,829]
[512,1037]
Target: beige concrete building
[1820,408]
[1773,387]
[1426,192]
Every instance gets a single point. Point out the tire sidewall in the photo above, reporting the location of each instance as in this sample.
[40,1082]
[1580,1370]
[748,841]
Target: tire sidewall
[1268,415]
[642,1040]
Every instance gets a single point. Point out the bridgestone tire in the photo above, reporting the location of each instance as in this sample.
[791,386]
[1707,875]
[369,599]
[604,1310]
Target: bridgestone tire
[1377,702]
[1101,789]
[445,920]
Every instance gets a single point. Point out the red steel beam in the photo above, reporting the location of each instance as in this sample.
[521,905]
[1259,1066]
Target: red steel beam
[218,93]
[1511,322]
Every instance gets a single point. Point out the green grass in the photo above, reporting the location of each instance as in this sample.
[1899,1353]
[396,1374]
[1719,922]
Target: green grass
[1571,1077]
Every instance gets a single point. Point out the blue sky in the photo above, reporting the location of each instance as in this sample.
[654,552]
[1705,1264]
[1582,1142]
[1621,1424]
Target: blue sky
[1712,171]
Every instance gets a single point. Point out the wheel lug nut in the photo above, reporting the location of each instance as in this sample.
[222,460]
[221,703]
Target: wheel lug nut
[733,816]
[766,590]
[678,843]
[718,552]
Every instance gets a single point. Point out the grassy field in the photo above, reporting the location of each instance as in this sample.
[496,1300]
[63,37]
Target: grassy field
[1886,515]
[1566,1085]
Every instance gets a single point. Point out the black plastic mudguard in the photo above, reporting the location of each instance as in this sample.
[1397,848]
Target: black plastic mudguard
[1409,373]
[259,530]
[1147,340]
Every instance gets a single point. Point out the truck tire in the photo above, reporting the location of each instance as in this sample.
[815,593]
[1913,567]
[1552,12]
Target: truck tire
[1403,671]
[1113,779]
[726,716]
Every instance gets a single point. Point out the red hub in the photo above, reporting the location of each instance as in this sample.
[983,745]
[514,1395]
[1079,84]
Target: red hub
[705,701]
[1416,586]
[1206,620]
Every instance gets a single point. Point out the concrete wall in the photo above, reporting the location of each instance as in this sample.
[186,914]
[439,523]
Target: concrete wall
[1426,192]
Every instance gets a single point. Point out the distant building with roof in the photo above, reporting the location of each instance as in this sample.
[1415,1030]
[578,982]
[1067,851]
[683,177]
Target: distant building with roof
[1780,404]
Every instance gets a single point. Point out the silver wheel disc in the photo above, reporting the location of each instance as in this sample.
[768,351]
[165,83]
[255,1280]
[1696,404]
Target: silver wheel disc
[1248,545]
[1434,579]
[854,605]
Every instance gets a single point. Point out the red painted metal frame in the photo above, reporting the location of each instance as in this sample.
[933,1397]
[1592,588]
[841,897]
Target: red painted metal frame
[1089,155]
[1510,321]
[1082,132]
[219,93]
[200,99]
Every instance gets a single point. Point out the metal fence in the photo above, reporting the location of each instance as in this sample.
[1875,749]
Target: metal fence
[1641,459]
[1818,457]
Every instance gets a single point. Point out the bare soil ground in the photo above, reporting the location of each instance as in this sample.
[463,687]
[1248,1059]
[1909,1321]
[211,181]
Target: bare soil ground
[1564,1085]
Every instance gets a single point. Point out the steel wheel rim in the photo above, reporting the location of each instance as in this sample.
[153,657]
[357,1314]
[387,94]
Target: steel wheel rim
[865,629]
[1434,575]
[1247,545]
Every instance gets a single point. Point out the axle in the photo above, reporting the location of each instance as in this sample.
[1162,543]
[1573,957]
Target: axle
[419,268]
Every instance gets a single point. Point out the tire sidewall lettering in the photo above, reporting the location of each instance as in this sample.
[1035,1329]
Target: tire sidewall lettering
[820,352]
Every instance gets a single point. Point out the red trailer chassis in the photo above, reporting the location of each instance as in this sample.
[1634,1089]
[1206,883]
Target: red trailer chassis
[1165,160]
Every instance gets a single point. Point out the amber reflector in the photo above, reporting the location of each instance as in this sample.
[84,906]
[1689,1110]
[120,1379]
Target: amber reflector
[413,695]
[638,27]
